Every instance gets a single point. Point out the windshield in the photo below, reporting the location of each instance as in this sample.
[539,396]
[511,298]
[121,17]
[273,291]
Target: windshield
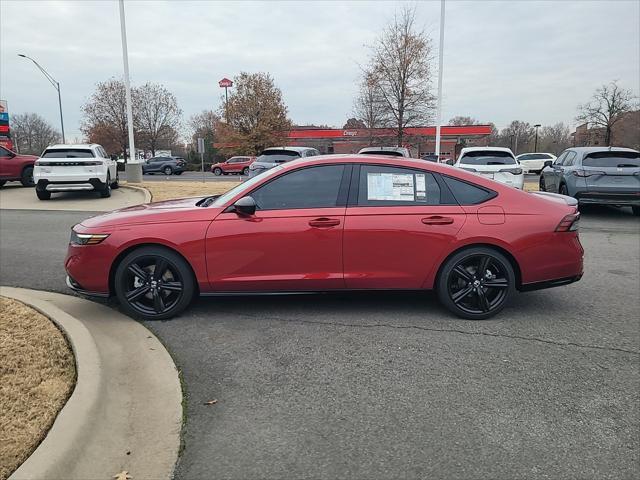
[488,157]
[612,159]
[277,156]
[67,153]
[223,199]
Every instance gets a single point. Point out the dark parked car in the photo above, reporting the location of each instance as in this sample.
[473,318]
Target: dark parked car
[164,165]
[595,175]
[14,166]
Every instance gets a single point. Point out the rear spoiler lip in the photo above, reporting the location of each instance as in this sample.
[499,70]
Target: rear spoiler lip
[572,202]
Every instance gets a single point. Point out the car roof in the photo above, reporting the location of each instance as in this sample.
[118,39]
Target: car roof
[383,149]
[73,145]
[291,149]
[585,150]
[481,149]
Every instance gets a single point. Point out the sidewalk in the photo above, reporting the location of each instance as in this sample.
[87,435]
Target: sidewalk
[126,410]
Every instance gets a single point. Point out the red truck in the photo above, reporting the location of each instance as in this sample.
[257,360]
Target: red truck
[237,165]
[14,166]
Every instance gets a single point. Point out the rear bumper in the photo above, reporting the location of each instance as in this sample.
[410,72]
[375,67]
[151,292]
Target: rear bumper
[59,185]
[606,198]
[558,282]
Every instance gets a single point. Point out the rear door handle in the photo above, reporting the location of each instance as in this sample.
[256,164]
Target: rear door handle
[324,222]
[437,220]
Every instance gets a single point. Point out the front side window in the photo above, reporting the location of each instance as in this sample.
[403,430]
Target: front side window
[4,152]
[315,187]
[68,153]
[392,186]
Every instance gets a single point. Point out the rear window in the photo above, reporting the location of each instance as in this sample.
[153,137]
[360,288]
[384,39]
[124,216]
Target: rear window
[488,157]
[68,153]
[277,156]
[534,156]
[391,153]
[612,159]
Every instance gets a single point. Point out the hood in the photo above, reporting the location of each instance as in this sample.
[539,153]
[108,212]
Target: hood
[182,210]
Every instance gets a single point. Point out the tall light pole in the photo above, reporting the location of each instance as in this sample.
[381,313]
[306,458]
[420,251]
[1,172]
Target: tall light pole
[132,167]
[441,58]
[55,84]
[535,145]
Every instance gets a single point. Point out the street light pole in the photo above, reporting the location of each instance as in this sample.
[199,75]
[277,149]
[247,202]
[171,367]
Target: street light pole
[55,84]
[535,146]
[441,54]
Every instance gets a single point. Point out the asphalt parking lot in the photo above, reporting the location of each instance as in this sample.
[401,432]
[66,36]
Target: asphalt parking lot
[390,385]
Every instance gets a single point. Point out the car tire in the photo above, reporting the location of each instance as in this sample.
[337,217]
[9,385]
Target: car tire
[115,185]
[26,178]
[217,171]
[43,194]
[473,296]
[541,184]
[105,192]
[140,297]
[178,173]
[2,182]
[167,170]
[563,190]
[636,210]
[245,171]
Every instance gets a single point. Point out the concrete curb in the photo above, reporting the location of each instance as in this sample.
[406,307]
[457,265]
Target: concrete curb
[125,412]
[148,196]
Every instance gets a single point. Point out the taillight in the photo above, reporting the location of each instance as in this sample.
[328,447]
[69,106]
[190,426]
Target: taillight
[569,223]
[586,173]
[515,171]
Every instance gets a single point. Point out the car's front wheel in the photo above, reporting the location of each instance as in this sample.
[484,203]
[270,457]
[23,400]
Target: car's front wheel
[245,171]
[154,283]
[2,182]
[27,177]
[476,283]
[167,170]
[636,210]
[217,171]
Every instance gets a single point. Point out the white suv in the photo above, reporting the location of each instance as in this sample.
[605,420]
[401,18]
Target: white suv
[69,168]
[496,163]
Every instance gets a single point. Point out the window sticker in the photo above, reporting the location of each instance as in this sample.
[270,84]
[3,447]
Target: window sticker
[391,186]
[421,186]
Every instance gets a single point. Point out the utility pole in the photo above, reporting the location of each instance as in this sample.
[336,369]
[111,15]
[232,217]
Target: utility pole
[132,167]
[441,58]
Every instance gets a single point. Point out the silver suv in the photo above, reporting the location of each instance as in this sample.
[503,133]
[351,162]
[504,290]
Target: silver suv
[595,175]
[272,156]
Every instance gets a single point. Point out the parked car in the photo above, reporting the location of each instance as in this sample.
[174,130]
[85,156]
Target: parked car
[16,167]
[164,165]
[272,156]
[534,162]
[496,163]
[391,151]
[237,165]
[334,223]
[70,168]
[430,157]
[596,175]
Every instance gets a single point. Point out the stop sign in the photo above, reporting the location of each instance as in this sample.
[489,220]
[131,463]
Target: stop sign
[225,82]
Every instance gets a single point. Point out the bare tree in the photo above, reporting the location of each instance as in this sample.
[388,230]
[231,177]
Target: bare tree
[554,138]
[517,135]
[401,66]
[460,120]
[157,116]
[369,106]
[607,106]
[106,112]
[32,133]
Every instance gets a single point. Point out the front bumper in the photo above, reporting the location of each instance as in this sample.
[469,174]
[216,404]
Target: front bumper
[76,287]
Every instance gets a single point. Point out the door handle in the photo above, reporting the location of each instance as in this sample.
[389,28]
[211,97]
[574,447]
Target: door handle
[437,220]
[324,222]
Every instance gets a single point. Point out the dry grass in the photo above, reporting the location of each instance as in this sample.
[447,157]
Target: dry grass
[531,187]
[169,190]
[37,375]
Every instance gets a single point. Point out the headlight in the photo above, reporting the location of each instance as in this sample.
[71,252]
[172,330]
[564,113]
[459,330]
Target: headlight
[87,238]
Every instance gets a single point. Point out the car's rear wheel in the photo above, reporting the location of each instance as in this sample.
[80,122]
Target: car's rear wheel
[115,185]
[217,171]
[636,210]
[2,182]
[167,170]
[245,171]
[542,186]
[43,194]
[476,283]
[563,190]
[154,283]
[27,177]
[106,190]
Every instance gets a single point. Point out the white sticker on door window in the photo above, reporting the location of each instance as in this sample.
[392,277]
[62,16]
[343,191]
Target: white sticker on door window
[390,186]
[421,186]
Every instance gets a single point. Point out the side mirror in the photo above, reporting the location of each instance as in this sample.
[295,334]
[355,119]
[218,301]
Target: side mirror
[245,206]
[548,163]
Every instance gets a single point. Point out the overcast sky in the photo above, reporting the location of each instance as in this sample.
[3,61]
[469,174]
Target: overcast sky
[526,60]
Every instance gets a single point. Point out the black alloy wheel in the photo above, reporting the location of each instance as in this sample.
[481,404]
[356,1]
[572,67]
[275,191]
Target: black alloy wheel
[115,185]
[106,190]
[476,283]
[167,170]
[154,283]
[27,177]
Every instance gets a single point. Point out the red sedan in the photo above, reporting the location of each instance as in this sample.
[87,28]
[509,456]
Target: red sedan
[237,165]
[334,223]
[16,167]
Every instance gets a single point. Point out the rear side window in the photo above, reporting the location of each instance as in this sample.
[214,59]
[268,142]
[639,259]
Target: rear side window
[466,193]
[315,187]
[488,157]
[381,186]
[277,156]
[68,153]
[612,159]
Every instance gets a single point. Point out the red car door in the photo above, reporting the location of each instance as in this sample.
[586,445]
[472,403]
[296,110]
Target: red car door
[396,228]
[292,243]
[9,164]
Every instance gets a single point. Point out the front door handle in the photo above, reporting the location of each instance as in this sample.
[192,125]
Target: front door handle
[437,220]
[324,222]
